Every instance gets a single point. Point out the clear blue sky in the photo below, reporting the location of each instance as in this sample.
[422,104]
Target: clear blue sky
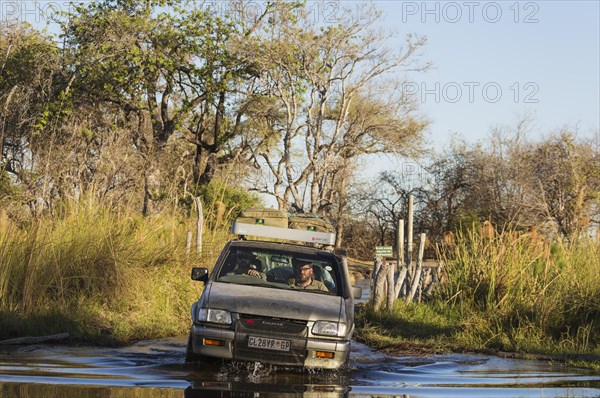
[544,56]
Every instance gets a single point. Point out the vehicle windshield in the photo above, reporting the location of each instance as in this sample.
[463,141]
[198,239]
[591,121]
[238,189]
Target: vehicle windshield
[281,269]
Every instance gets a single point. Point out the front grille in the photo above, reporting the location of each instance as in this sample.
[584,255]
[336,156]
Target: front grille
[285,329]
[272,325]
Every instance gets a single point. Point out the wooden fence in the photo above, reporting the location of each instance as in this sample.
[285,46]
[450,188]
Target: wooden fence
[403,278]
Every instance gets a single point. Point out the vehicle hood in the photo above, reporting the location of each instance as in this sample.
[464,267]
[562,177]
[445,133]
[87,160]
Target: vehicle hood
[270,302]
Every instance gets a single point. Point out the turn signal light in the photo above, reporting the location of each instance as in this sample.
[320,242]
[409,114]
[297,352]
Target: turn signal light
[324,354]
[213,342]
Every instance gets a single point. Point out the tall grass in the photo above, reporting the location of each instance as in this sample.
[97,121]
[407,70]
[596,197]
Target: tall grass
[99,274]
[511,292]
[521,292]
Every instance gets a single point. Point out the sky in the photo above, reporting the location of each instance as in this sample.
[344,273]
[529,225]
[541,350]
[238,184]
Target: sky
[493,63]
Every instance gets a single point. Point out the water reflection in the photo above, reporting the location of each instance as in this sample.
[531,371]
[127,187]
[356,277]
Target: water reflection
[242,390]
[156,370]
[257,380]
[37,390]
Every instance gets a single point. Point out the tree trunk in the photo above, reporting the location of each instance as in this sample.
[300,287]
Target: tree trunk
[339,233]
[342,203]
[204,166]
[151,190]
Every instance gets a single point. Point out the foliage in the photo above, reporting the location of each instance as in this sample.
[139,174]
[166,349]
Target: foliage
[100,274]
[33,95]
[510,293]
[232,200]
[6,187]
[567,172]
[145,102]
[551,185]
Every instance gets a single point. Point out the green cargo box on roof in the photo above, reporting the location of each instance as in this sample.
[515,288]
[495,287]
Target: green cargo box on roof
[264,216]
[310,222]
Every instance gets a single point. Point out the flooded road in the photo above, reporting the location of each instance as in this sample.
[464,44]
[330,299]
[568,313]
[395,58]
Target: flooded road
[156,369]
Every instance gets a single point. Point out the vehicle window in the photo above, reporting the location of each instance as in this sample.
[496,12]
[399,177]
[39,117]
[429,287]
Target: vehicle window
[280,269]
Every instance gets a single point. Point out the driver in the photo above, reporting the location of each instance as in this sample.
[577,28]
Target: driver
[304,277]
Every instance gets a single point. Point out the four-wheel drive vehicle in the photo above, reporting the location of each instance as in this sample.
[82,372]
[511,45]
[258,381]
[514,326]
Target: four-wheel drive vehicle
[265,318]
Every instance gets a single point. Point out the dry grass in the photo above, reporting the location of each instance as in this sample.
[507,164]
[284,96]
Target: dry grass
[100,275]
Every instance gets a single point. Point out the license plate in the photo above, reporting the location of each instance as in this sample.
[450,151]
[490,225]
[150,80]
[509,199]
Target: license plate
[269,344]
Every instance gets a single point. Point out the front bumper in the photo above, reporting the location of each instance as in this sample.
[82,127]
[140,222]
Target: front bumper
[303,352]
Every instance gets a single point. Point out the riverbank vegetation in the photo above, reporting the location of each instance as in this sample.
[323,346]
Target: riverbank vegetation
[509,293]
[105,276]
[113,130]
[98,275]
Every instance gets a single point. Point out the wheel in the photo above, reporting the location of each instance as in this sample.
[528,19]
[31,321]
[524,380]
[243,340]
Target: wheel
[190,355]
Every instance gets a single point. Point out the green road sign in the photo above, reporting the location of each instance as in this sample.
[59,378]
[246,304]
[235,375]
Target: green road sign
[383,251]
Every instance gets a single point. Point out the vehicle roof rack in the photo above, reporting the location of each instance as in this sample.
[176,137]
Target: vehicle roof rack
[297,235]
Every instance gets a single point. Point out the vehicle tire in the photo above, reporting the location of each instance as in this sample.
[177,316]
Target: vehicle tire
[190,355]
[346,364]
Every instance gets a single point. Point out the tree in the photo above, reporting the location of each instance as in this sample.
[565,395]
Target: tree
[551,185]
[566,174]
[34,97]
[333,97]
[169,71]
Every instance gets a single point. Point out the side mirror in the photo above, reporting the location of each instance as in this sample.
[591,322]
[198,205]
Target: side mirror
[357,292]
[200,274]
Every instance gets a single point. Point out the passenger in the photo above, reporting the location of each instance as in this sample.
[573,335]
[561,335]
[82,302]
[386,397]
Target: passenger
[304,276]
[252,267]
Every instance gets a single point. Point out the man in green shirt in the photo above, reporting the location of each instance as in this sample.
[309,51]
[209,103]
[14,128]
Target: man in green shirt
[304,276]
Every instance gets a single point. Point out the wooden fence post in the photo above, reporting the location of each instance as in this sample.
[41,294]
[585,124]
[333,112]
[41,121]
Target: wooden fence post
[409,245]
[417,278]
[410,230]
[400,281]
[400,245]
[390,288]
[379,281]
[432,283]
[376,265]
[400,269]
[199,224]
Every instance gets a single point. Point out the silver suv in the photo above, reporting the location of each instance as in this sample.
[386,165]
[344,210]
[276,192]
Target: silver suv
[253,308]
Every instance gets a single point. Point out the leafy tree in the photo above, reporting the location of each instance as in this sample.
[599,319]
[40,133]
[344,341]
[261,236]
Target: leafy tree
[34,98]
[169,71]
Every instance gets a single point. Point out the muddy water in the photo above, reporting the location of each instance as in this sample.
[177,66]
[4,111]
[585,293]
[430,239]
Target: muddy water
[156,369]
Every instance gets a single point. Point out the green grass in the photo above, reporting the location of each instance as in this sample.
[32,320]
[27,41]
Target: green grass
[101,275]
[509,294]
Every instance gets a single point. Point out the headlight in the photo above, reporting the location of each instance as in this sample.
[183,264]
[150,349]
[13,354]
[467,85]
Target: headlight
[327,328]
[214,316]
